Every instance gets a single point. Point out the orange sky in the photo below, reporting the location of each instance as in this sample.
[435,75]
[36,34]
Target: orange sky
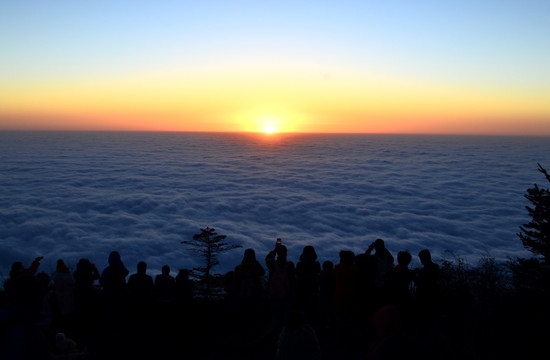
[369,67]
[290,100]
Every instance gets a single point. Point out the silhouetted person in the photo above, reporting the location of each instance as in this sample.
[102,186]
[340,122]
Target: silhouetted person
[345,273]
[86,294]
[63,284]
[384,259]
[248,288]
[366,276]
[113,283]
[281,282]
[141,296]
[64,293]
[18,269]
[248,278]
[85,275]
[345,291]
[21,336]
[383,262]
[184,288]
[113,277]
[87,300]
[327,285]
[165,285]
[307,282]
[141,289]
[427,282]
[397,282]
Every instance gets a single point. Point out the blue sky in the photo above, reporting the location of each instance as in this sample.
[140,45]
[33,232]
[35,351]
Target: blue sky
[469,37]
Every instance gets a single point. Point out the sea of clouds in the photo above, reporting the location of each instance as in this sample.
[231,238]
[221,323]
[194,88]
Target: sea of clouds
[81,195]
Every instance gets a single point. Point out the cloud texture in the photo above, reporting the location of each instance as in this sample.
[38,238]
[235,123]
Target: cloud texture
[74,195]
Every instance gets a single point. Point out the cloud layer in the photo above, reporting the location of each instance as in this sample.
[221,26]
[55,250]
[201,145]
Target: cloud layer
[74,195]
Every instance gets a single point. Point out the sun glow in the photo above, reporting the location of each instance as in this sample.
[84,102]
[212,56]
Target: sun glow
[269,120]
[269,129]
[270,124]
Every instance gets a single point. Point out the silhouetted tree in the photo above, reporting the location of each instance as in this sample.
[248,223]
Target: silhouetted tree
[535,235]
[208,244]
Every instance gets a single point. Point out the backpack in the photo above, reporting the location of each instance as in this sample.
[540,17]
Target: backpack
[279,284]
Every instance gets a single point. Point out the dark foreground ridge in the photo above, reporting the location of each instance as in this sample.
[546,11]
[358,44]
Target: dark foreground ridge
[368,306]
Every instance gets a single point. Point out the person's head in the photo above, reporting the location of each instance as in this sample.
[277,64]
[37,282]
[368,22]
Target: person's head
[183,274]
[308,254]
[249,256]
[114,258]
[17,269]
[84,265]
[141,267]
[379,245]
[346,257]
[425,256]
[166,270]
[328,266]
[62,267]
[281,251]
[404,258]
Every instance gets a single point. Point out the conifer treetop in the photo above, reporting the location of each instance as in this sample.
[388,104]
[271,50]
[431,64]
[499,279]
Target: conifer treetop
[535,235]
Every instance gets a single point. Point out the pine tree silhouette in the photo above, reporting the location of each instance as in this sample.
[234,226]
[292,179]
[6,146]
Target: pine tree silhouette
[535,235]
[208,244]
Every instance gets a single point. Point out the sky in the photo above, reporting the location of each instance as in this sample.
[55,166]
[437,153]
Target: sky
[453,67]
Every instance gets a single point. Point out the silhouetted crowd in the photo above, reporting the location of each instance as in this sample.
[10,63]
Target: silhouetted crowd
[367,306]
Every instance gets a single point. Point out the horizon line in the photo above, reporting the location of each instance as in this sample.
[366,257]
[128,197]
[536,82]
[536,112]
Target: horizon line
[274,134]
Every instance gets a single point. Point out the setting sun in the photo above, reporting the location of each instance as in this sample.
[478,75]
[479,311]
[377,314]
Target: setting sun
[268,120]
[269,129]
[270,124]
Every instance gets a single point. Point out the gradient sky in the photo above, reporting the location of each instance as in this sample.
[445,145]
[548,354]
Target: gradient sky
[475,67]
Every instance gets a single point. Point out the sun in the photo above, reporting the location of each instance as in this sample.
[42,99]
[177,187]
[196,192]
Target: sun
[269,129]
[269,120]
[270,124]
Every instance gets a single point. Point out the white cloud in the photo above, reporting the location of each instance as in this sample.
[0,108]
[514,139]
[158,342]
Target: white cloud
[73,195]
